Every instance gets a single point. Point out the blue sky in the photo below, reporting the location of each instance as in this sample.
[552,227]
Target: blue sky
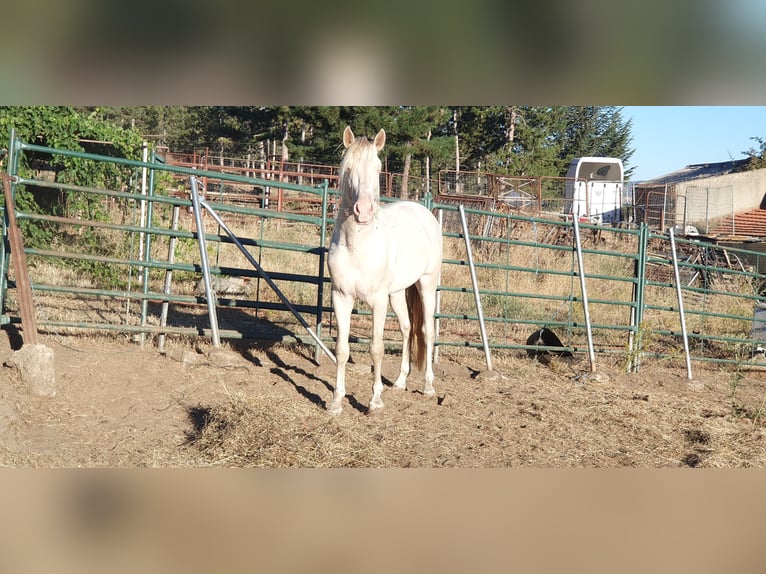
[667,138]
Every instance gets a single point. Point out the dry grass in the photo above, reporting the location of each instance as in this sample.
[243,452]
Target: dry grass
[268,431]
[544,417]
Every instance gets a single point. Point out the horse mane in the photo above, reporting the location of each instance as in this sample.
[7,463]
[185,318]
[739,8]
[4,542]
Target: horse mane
[361,152]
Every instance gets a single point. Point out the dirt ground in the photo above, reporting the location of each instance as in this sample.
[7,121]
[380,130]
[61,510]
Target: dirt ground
[249,404]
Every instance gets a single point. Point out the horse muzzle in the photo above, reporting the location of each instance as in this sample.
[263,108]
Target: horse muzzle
[364,210]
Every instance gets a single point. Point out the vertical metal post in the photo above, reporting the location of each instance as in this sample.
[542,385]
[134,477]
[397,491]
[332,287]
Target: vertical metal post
[586,307]
[322,257]
[142,235]
[438,299]
[475,284]
[637,303]
[679,295]
[4,251]
[146,223]
[14,156]
[4,262]
[169,275]
[209,294]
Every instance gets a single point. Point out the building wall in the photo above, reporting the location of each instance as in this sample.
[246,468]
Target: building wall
[702,202]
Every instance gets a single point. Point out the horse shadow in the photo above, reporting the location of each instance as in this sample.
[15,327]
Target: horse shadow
[230,317]
[258,336]
[293,374]
[287,372]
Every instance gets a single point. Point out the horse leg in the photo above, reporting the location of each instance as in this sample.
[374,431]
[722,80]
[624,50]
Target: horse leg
[379,307]
[399,305]
[342,305]
[429,332]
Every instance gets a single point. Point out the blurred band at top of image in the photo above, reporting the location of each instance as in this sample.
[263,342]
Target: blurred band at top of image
[297,53]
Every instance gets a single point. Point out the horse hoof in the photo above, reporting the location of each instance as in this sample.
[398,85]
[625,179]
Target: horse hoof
[429,392]
[334,409]
[375,406]
[371,412]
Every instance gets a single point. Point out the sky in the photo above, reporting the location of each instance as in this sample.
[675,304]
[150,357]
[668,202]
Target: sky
[668,138]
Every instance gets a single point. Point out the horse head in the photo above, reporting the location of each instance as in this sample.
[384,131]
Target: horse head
[360,175]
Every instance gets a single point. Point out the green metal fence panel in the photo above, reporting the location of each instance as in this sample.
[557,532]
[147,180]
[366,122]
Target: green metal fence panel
[107,270]
[633,312]
[93,275]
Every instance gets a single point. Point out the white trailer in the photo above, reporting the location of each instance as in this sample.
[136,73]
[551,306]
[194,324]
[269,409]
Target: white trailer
[594,189]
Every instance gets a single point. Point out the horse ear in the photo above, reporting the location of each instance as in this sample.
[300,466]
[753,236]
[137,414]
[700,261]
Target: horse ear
[348,136]
[380,140]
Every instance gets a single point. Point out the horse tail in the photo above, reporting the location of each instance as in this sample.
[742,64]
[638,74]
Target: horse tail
[417,339]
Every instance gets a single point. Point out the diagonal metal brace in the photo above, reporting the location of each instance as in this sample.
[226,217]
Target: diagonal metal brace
[268,279]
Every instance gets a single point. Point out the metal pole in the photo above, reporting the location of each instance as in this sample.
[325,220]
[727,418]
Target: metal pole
[679,295]
[586,309]
[4,252]
[23,284]
[440,217]
[474,282]
[142,235]
[633,332]
[322,251]
[639,293]
[209,294]
[268,279]
[169,275]
[147,255]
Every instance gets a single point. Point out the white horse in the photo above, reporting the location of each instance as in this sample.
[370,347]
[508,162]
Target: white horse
[377,255]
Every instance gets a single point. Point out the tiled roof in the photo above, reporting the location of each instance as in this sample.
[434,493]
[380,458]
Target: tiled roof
[747,224]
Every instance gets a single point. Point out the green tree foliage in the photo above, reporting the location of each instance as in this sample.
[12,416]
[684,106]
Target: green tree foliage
[515,140]
[483,136]
[71,129]
[757,157]
[596,131]
[540,141]
[166,126]
[535,149]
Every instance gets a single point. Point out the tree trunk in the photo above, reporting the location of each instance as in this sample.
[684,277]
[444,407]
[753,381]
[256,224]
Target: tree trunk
[428,168]
[457,145]
[458,183]
[511,131]
[406,176]
[285,134]
[300,159]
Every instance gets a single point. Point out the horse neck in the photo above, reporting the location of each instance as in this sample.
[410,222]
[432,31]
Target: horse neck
[346,206]
[347,231]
